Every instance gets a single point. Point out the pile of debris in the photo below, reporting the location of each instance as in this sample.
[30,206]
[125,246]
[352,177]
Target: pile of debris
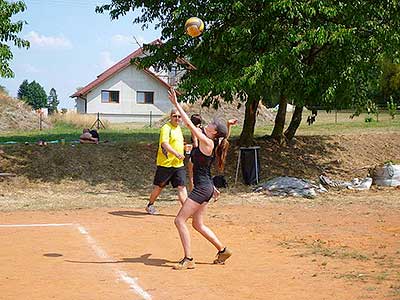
[234,110]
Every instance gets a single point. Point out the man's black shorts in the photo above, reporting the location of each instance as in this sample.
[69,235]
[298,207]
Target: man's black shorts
[165,175]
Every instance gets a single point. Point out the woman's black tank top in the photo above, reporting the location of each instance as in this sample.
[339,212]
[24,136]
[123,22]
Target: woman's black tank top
[201,167]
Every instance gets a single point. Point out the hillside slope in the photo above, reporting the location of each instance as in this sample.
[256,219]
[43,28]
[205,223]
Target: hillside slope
[17,115]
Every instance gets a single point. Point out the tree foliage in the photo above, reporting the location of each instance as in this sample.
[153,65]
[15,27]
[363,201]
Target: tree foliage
[390,81]
[52,101]
[33,94]
[3,90]
[9,34]
[320,52]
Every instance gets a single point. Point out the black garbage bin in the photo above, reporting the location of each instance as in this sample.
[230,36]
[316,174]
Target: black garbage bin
[250,161]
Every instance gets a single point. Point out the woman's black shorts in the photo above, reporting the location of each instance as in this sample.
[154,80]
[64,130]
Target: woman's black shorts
[202,193]
[165,175]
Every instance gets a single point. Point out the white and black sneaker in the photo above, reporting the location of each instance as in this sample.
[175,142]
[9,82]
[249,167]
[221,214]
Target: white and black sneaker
[151,210]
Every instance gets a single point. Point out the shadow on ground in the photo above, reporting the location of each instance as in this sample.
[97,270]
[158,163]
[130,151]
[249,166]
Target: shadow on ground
[144,259]
[136,214]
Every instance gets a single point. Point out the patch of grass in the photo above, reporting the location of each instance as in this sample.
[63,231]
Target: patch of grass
[377,278]
[318,247]
[382,276]
[76,120]
[290,244]
[70,132]
[395,290]
[331,128]
[353,276]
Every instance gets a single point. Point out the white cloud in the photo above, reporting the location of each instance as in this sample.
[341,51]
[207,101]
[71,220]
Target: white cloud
[105,60]
[37,39]
[121,39]
[28,68]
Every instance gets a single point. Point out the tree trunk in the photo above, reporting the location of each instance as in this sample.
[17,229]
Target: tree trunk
[277,132]
[294,122]
[247,135]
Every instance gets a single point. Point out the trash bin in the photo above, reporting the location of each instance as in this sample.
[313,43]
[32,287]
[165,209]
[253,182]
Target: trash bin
[250,161]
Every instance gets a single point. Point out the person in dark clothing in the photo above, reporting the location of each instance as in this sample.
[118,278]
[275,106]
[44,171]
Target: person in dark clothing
[88,138]
[95,135]
[212,146]
[196,120]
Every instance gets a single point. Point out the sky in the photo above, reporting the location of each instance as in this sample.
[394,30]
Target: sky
[71,45]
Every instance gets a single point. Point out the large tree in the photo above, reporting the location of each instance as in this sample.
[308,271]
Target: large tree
[33,94]
[9,34]
[321,53]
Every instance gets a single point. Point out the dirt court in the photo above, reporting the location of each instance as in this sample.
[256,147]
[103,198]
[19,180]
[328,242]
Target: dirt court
[343,245]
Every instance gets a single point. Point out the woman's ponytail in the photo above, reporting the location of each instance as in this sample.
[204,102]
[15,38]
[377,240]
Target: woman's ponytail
[221,152]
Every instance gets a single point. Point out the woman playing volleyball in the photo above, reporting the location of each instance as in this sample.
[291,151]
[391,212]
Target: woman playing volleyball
[212,145]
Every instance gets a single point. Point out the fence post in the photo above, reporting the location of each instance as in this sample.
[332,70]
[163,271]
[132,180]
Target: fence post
[151,117]
[40,114]
[377,114]
[335,116]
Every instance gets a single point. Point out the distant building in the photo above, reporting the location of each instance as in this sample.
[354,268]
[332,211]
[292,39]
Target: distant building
[124,93]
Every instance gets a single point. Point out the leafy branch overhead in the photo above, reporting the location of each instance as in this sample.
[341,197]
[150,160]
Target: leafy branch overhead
[9,34]
[313,53]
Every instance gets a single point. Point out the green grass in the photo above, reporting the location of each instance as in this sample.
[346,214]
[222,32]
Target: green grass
[70,133]
[325,125]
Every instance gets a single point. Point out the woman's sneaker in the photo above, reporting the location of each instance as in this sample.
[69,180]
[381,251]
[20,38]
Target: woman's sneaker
[151,210]
[222,256]
[185,263]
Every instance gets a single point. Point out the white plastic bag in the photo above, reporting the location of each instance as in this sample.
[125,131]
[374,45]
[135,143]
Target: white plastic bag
[387,175]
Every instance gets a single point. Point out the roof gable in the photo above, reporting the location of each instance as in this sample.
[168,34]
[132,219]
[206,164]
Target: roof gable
[119,66]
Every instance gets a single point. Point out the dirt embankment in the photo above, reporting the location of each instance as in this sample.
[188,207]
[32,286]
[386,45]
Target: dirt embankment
[17,115]
[132,164]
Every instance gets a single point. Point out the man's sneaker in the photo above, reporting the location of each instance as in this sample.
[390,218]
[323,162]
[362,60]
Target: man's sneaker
[151,210]
[184,264]
[222,256]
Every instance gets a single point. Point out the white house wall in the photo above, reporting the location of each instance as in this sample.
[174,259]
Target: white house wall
[129,81]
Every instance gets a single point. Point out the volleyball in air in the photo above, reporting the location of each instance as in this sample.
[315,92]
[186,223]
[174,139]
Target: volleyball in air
[194,26]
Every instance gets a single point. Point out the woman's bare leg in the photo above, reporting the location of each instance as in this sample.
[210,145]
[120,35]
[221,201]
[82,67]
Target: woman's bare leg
[198,224]
[188,209]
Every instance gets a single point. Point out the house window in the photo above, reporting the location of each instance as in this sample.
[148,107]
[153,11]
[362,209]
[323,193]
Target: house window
[109,96]
[145,97]
[174,70]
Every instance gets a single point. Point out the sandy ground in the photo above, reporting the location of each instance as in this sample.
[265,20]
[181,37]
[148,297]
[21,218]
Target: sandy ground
[339,246]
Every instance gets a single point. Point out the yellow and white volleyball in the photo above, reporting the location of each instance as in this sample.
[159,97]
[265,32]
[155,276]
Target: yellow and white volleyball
[194,26]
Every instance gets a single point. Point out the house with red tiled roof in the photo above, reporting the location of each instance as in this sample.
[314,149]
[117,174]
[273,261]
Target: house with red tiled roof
[125,93]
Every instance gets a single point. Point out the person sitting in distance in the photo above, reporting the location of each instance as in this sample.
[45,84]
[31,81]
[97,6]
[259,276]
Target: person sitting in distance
[87,138]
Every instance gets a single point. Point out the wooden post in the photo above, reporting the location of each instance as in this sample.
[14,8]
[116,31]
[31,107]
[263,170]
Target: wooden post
[151,117]
[335,116]
[40,113]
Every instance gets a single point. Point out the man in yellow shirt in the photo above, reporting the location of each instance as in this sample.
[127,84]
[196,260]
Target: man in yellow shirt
[170,166]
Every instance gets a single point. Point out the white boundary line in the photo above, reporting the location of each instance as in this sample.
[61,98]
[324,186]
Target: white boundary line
[123,276]
[132,282]
[34,225]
